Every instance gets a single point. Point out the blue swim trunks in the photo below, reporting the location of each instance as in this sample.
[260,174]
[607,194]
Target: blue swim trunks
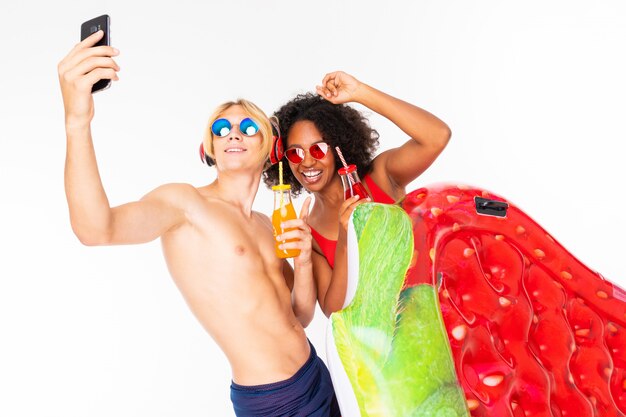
[309,392]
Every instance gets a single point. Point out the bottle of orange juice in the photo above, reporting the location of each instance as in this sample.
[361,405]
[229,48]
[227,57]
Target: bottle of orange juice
[283,210]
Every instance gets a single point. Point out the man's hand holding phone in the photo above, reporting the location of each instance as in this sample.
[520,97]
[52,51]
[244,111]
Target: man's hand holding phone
[79,71]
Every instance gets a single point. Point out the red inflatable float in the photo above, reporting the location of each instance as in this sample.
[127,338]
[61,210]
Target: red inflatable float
[533,331]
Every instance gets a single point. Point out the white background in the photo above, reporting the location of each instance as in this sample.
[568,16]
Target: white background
[534,93]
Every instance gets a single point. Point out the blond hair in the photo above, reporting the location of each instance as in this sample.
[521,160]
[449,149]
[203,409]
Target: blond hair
[254,112]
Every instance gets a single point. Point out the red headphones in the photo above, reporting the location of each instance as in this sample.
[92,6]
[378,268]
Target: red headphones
[276,154]
[278,149]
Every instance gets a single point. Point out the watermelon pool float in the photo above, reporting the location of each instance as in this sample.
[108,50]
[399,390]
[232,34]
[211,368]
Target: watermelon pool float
[460,304]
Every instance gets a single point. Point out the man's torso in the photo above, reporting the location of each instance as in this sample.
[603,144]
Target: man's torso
[224,264]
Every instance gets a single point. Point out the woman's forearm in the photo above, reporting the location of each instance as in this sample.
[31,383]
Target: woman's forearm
[419,124]
[335,293]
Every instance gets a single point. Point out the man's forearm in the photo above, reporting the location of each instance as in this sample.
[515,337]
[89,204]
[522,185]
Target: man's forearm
[88,204]
[304,294]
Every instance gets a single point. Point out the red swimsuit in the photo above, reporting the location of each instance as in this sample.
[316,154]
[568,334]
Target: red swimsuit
[328,245]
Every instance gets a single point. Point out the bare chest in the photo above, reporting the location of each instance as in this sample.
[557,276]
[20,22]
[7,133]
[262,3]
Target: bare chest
[221,243]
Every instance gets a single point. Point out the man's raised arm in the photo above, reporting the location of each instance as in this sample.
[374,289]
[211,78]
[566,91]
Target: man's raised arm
[93,220]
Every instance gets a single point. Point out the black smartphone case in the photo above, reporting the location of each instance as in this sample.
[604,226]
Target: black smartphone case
[92,26]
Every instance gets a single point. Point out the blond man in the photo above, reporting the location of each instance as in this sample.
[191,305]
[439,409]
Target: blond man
[218,250]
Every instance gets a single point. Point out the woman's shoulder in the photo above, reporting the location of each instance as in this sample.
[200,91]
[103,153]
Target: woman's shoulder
[382,182]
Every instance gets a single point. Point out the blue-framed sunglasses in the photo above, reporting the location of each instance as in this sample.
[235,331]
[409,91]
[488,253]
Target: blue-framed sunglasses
[222,127]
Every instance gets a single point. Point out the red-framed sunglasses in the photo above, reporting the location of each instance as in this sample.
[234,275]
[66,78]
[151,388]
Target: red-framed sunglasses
[317,151]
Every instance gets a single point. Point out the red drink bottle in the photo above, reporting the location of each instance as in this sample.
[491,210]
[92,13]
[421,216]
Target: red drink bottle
[351,183]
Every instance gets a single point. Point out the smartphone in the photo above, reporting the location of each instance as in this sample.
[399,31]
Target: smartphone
[90,27]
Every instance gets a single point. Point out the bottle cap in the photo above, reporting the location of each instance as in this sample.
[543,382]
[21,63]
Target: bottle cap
[346,170]
[283,187]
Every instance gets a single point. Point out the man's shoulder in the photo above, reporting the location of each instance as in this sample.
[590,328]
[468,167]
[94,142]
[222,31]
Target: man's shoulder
[263,218]
[174,192]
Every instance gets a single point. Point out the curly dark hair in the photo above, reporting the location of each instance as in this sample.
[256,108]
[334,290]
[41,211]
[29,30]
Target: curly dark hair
[339,124]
